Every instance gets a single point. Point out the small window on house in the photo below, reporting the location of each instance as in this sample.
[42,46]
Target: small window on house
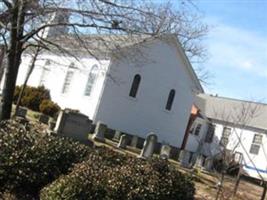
[192,128]
[170,100]
[255,146]
[225,136]
[210,133]
[67,82]
[135,85]
[91,80]
[197,129]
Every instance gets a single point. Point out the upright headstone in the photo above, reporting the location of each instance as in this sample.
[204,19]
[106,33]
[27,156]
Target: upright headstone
[100,130]
[22,112]
[74,125]
[208,164]
[165,151]
[197,160]
[149,146]
[51,125]
[43,119]
[184,157]
[134,141]
[117,136]
[123,142]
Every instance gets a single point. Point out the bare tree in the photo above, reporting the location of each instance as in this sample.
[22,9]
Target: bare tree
[237,119]
[22,22]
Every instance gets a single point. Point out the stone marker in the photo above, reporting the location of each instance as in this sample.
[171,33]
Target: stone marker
[198,160]
[51,125]
[22,112]
[74,125]
[184,157]
[149,146]
[165,152]
[117,136]
[123,142]
[208,164]
[134,141]
[99,134]
[43,119]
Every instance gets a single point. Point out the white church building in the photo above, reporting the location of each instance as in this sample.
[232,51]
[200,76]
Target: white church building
[152,87]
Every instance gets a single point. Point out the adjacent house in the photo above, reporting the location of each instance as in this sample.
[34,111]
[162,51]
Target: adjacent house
[234,127]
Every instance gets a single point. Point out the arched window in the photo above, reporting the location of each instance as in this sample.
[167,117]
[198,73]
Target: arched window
[68,79]
[91,80]
[170,100]
[135,85]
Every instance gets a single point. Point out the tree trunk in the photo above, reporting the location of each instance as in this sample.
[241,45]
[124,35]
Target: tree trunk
[27,78]
[14,58]
[2,55]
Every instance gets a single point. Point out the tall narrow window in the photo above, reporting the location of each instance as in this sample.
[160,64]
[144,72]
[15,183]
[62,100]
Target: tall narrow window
[210,133]
[255,146]
[91,80]
[67,82]
[135,85]
[44,74]
[197,129]
[170,100]
[225,136]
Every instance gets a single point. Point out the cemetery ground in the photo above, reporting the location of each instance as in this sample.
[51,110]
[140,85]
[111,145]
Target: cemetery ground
[205,182]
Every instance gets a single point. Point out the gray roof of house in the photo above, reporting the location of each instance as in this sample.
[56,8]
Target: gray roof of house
[238,112]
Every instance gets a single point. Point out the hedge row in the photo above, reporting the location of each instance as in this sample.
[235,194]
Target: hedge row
[112,176]
[30,159]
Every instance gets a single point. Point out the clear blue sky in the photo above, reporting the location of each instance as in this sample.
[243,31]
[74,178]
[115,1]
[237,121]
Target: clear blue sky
[237,46]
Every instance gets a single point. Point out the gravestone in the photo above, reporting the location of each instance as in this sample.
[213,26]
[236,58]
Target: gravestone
[74,125]
[134,141]
[51,125]
[123,142]
[165,152]
[22,112]
[43,119]
[198,160]
[99,134]
[117,136]
[208,164]
[149,146]
[184,158]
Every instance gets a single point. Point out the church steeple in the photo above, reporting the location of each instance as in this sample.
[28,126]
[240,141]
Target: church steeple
[59,17]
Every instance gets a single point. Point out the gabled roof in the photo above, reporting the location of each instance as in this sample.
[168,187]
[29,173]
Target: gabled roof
[237,112]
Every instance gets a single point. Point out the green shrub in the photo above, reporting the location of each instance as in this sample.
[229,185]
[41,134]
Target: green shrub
[30,159]
[48,107]
[112,176]
[33,96]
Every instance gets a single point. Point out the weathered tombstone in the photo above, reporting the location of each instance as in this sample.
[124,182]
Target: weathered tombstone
[74,125]
[208,164]
[22,112]
[198,160]
[51,125]
[123,142]
[99,133]
[149,146]
[184,158]
[43,119]
[165,152]
[117,136]
[134,141]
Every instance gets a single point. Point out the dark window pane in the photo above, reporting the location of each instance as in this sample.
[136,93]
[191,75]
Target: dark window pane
[135,85]
[210,134]
[170,100]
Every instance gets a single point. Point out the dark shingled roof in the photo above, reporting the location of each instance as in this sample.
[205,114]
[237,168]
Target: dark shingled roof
[242,113]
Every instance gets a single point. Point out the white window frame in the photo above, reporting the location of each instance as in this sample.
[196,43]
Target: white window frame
[91,80]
